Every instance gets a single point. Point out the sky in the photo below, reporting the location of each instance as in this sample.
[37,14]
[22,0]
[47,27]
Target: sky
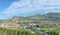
[9,8]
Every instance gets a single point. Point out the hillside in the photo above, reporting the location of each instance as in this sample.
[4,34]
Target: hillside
[46,20]
[46,17]
[35,18]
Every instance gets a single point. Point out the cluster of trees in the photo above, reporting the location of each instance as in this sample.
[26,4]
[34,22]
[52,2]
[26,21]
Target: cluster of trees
[53,33]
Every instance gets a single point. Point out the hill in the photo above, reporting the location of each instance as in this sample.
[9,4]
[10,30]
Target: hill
[35,18]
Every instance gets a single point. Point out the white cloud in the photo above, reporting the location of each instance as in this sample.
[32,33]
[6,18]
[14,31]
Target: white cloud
[28,6]
[24,6]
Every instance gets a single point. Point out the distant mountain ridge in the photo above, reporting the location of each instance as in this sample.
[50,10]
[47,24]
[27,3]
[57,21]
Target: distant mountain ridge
[38,17]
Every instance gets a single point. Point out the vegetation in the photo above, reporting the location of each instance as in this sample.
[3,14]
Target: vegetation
[53,33]
[52,26]
[4,31]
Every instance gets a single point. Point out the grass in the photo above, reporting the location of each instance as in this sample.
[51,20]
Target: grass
[50,29]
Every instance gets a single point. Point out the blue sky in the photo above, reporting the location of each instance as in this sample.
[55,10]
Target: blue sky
[9,8]
[5,3]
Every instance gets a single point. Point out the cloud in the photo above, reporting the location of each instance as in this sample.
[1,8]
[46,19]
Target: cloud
[23,7]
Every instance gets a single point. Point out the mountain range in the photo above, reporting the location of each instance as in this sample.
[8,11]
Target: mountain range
[38,17]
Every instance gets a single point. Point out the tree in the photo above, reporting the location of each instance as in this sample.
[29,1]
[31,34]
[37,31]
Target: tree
[53,33]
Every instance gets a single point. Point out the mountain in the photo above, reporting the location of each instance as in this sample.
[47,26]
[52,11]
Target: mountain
[35,18]
[53,16]
[46,17]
